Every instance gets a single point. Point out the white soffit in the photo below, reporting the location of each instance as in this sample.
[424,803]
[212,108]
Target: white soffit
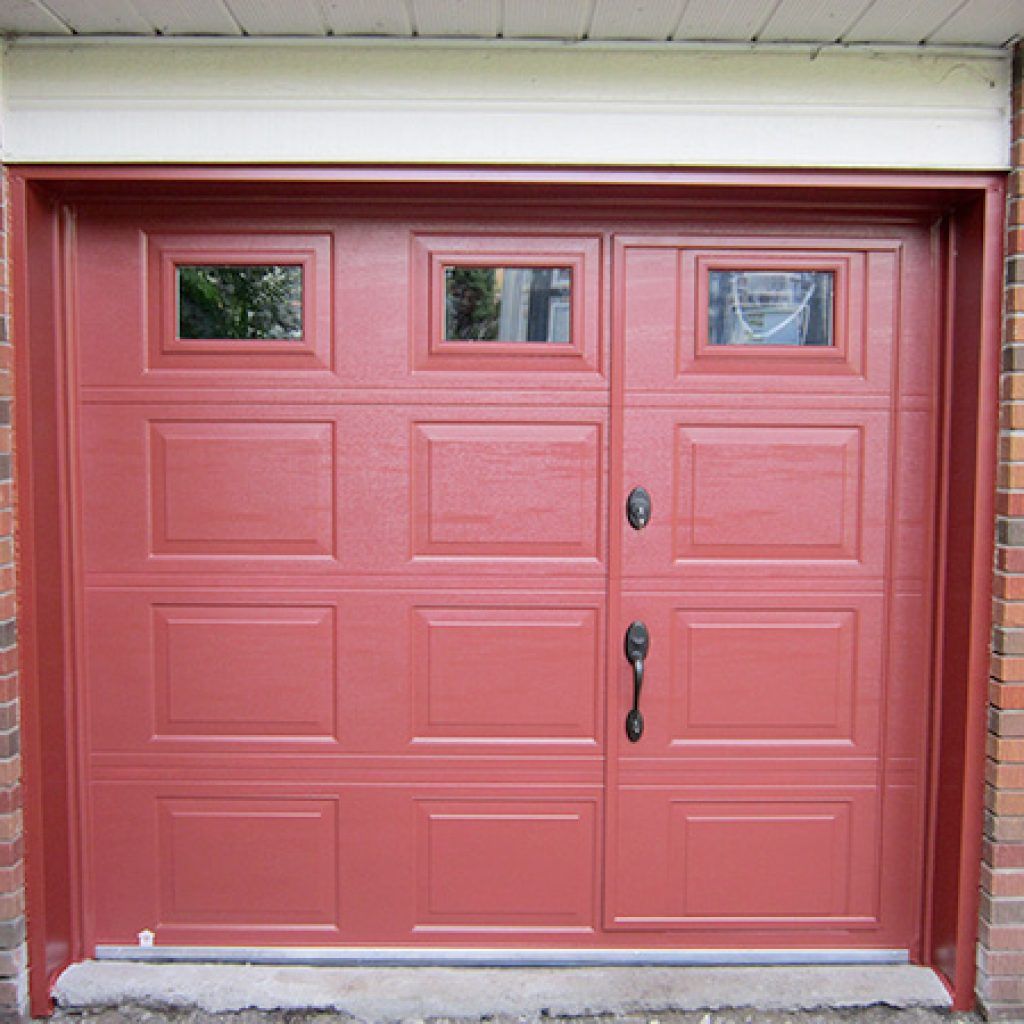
[333,102]
[957,22]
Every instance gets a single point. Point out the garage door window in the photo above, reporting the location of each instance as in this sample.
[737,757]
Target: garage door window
[239,302]
[770,307]
[517,304]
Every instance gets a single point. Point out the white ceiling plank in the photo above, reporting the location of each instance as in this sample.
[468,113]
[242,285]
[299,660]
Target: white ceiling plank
[635,19]
[115,17]
[367,17]
[476,18]
[988,22]
[188,17]
[720,21]
[542,19]
[812,21]
[25,17]
[906,22]
[273,18]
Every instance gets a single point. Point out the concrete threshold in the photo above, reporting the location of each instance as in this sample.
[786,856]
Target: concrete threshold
[389,994]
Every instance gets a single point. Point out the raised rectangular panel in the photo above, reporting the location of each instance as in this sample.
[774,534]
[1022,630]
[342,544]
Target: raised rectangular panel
[749,860]
[229,488]
[722,857]
[506,490]
[768,492]
[505,863]
[262,863]
[512,673]
[244,670]
[761,674]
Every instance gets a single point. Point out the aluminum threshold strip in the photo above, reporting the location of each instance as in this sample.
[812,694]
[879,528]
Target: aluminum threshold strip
[417,957]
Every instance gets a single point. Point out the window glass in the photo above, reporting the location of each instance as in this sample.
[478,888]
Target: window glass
[248,302]
[529,304]
[770,307]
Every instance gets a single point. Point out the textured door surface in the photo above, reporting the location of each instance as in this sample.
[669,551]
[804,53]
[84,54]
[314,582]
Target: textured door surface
[352,569]
[774,796]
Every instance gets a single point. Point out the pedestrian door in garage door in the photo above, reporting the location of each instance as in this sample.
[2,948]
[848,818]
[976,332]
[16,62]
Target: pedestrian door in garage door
[354,573]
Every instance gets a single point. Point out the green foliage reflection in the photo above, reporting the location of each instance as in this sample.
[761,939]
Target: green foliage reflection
[473,297]
[245,302]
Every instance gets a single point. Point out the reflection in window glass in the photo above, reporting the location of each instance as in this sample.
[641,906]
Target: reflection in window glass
[770,307]
[246,302]
[507,303]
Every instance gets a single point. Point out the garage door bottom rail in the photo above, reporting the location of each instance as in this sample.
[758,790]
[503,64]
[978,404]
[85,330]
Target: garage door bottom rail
[413,956]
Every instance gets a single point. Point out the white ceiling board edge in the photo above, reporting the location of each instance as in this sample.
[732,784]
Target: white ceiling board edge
[712,19]
[188,17]
[101,16]
[542,19]
[990,22]
[478,18]
[274,18]
[812,20]
[635,19]
[911,21]
[367,17]
[26,16]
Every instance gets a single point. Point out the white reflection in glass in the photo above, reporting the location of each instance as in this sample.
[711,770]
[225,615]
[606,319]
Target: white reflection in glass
[770,307]
[508,304]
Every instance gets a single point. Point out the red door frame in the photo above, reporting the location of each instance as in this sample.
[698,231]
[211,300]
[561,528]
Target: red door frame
[966,211]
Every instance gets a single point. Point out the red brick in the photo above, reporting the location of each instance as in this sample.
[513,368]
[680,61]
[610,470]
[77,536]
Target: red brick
[12,878]
[1009,586]
[1007,777]
[11,852]
[1004,855]
[1010,503]
[1006,687]
[1008,613]
[1001,963]
[1006,749]
[13,961]
[1001,936]
[1002,883]
[1000,989]
[10,770]
[1010,559]
[1011,447]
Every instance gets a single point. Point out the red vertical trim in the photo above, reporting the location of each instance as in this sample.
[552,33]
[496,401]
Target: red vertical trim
[35,252]
[975,724]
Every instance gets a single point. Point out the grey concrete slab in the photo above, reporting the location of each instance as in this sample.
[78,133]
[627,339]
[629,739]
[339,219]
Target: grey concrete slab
[388,994]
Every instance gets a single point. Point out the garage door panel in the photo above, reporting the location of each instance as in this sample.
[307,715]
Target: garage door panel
[668,311]
[263,489]
[793,858]
[140,340]
[478,489]
[171,489]
[294,490]
[353,671]
[517,490]
[195,669]
[217,863]
[776,493]
[720,678]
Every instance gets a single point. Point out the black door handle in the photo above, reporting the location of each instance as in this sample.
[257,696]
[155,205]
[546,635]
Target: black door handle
[638,643]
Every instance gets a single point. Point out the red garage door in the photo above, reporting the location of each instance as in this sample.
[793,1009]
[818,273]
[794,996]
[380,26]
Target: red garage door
[355,573]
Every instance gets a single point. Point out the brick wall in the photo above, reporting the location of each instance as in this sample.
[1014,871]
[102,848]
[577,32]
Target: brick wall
[13,960]
[1001,946]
